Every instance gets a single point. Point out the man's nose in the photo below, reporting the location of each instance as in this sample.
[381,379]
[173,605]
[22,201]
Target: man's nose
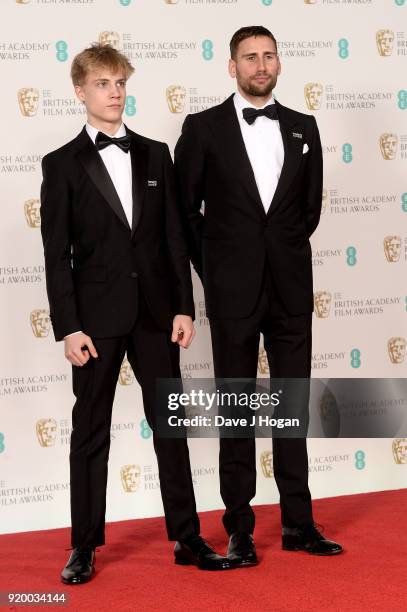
[116,91]
[261,64]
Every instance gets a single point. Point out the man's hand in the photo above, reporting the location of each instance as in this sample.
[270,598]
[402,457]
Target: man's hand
[182,330]
[74,352]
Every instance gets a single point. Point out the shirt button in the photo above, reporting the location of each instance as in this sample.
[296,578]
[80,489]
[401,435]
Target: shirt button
[133,274]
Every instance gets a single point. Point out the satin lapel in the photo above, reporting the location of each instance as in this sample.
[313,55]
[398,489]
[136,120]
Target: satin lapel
[96,170]
[139,165]
[293,146]
[236,153]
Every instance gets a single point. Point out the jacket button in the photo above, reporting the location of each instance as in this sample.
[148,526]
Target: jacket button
[133,274]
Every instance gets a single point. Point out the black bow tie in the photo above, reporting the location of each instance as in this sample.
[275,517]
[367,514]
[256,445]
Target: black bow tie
[102,141]
[250,114]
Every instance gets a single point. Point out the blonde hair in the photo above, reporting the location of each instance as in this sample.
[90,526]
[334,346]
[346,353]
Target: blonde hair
[99,56]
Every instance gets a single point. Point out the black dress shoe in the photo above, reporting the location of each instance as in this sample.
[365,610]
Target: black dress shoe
[241,550]
[310,540]
[80,566]
[195,551]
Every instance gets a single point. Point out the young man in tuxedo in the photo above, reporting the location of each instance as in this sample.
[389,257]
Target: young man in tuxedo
[257,166]
[118,280]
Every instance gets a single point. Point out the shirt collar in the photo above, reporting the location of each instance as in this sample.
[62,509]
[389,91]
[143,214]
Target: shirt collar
[241,103]
[93,132]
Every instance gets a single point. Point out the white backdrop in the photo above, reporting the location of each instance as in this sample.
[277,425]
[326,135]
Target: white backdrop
[344,61]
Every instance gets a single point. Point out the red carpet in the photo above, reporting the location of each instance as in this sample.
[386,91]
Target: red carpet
[135,570]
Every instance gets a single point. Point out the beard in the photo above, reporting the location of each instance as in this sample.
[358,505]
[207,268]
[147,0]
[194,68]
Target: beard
[256,89]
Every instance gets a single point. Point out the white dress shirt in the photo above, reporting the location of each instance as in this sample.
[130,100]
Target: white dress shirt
[265,149]
[118,165]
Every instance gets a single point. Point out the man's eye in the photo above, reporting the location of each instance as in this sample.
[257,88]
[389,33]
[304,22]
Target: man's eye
[101,84]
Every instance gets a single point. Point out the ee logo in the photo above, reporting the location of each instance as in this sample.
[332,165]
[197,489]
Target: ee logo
[355,361]
[347,153]
[130,106]
[360,463]
[62,51]
[351,256]
[402,99]
[207,49]
[343,45]
[145,430]
[2,445]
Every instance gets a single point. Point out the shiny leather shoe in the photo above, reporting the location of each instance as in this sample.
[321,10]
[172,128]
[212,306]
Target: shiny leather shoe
[310,540]
[80,566]
[195,551]
[241,550]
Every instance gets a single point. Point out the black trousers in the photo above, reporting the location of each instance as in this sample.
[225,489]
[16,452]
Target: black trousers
[235,343]
[151,355]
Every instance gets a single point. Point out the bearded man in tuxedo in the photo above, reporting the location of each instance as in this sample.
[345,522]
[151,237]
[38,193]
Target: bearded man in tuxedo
[118,281]
[257,166]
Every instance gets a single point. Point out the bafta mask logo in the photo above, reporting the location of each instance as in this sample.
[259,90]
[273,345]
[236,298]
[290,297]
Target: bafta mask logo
[397,349]
[28,98]
[110,38]
[263,364]
[46,432]
[324,200]
[176,98]
[126,376]
[130,477]
[399,446]
[326,407]
[313,95]
[322,303]
[190,413]
[266,462]
[392,248]
[310,1]
[384,41]
[32,212]
[40,322]
[171,1]
[388,146]
[23,1]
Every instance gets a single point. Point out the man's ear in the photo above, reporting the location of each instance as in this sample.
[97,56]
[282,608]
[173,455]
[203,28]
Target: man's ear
[79,93]
[232,68]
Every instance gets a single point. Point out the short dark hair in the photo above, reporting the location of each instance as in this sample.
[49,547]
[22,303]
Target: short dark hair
[248,32]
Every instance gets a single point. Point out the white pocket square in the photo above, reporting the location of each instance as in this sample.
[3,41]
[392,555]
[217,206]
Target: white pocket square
[305,148]
[152,183]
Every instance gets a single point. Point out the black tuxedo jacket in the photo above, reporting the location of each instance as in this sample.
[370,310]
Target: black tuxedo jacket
[232,240]
[94,261]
